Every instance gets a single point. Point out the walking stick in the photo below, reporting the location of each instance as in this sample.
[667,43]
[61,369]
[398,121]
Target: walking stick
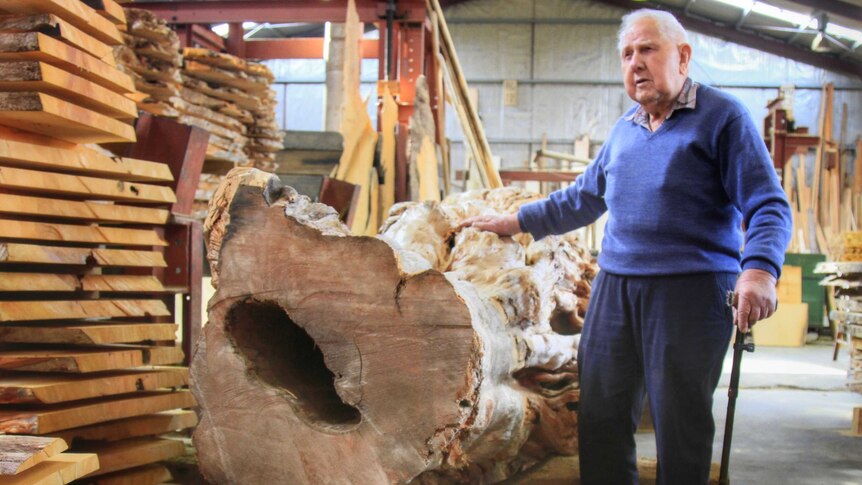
[739,346]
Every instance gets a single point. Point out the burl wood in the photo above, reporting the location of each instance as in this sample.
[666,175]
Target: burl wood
[429,354]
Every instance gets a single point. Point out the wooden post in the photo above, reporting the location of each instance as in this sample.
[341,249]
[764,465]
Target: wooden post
[856,429]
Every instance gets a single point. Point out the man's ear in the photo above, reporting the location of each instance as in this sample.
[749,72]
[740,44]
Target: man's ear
[684,58]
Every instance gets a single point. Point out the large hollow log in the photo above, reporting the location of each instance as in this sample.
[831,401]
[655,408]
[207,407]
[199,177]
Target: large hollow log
[428,354]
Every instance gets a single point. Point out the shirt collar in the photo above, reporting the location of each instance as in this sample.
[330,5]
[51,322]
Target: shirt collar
[687,99]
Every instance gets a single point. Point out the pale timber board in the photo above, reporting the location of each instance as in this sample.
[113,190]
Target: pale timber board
[17,311]
[81,186]
[235,79]
[48,115]
[142,475]
[80,210]
[73,11]
[18,453]
[148,425]
[27,150]
[89,334]
[119,283]
[59,469]
[57,417]
[36,46]
[91,234]
[109,9]
[60,29]
[120,455]
[34,76]
[21,388]
[227,61]
[73,361]
[37,254]
[38,282]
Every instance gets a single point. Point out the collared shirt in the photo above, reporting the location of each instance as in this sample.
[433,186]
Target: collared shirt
[686,100]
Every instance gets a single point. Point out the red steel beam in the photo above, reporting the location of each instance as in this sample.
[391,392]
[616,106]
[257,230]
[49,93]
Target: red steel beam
[282,11]
[299,48]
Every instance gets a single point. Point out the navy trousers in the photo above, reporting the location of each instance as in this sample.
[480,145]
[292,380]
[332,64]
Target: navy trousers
[663,336]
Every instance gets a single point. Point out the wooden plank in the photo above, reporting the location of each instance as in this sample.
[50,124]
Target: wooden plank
[48,115]
[89,334]
[856,429]
[19,453]
[133,283]
[234,79]
[37,254]
[120,455]
[36,46]
[80,210]
[20,388]
[228,62]
[149,425]
[60,29]
[78,185]
[59,469]
[109,9]
[73,11]
[44,231]
[18,311]
[26,150]
[38,282]
[71,361]
[142,475]
[57,417]
[34,76]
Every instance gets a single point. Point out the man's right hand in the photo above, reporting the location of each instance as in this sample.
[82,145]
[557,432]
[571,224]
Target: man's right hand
[501,225]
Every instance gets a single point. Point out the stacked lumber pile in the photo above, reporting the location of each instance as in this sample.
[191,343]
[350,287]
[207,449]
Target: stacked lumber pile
[846,280]
[231,99]
[83,317]
[58,76]
[850,247]
[151,55]
[35,459]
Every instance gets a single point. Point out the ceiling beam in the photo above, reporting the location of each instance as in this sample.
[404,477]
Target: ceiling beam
[277,11]
[835,7]
[748,39]
[300,48]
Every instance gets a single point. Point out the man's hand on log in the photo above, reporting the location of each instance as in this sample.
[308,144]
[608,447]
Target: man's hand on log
[754,298]
[501,225]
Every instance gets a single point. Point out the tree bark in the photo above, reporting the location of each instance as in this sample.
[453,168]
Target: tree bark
[428,354]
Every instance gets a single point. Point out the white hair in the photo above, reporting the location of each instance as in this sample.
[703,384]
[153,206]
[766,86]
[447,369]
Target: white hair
[667,24]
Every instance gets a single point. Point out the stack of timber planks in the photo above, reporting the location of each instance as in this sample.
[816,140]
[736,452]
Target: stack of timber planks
[845,278]
[239,106]
[58,76]
[86,326]
[40,460]
[151,55]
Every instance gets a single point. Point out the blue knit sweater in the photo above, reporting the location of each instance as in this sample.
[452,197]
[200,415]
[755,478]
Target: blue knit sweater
[676,197]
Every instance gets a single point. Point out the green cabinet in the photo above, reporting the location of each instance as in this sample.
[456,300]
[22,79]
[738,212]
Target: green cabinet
[812,292]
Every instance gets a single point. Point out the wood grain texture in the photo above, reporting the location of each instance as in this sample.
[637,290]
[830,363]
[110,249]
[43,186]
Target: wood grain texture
[59,28]
[80,210]
[35,46]
[18,453]
[142,475]
[109,9]
[121,455]
[37,254]
[91,234]
[21,387]
[81,186]
[12,311]
[26,150]
[38,282]
[34,76]
[48,115]
[57,470]
[149,425]
[387,355]
[89,334]
[57,417]
[75,12]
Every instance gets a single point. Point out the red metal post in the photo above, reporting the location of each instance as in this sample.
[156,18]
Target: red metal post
[235,42]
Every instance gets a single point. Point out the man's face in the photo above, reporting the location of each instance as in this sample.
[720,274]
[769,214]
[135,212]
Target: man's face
[654,68]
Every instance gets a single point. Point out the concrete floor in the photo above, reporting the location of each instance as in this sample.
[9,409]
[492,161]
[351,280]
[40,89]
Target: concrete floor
[793,417]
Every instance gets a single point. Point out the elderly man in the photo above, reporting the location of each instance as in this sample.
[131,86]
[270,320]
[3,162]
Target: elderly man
[679,175]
